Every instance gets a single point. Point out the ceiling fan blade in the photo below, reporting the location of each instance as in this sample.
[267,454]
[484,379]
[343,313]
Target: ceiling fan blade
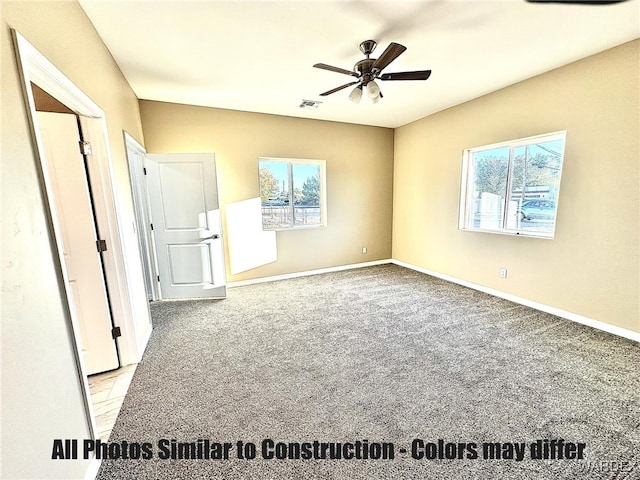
[324,66]
[337,89]
[417,75]
[392,52]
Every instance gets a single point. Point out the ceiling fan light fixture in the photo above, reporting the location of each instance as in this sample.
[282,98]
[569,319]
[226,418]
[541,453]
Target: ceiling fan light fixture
[376,99]
[356,94]
[373,90]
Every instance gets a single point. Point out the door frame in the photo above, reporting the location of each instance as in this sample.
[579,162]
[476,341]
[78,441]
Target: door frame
[35,68]
[142,210]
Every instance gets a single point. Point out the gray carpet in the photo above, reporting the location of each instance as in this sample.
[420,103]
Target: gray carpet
[387,355]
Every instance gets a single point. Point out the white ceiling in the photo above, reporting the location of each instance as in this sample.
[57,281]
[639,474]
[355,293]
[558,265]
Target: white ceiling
[258,55]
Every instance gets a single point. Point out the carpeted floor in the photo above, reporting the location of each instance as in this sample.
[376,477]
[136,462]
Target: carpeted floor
[390,358]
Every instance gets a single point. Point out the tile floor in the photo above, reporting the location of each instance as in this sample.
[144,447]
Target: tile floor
[107,393]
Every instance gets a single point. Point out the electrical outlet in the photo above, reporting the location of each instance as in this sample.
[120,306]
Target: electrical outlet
[503,273]
[364,250]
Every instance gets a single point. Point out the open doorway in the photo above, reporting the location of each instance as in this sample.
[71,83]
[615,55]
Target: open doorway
[136,154]
[128,312]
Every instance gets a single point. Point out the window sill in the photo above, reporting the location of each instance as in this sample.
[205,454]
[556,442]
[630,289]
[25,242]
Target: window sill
[511,233]
[289,229]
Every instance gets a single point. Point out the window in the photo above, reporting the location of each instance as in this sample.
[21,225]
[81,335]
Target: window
[512,187]
[292,192]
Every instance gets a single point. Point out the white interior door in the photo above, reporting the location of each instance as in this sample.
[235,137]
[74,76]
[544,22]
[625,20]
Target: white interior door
[75,219]
[187,226]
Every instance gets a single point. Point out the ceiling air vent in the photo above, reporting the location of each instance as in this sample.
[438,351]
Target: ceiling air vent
[309,104]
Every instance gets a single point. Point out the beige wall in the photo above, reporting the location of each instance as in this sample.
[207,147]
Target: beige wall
[41,395]
[592,266]
[359,176]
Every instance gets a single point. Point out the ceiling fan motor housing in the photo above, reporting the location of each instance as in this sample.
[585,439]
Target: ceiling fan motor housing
[363,68]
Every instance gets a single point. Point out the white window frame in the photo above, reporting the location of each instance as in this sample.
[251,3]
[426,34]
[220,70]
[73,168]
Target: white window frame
[466,194]
[322,164]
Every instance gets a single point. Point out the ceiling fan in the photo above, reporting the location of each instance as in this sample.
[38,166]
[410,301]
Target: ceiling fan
[368,70]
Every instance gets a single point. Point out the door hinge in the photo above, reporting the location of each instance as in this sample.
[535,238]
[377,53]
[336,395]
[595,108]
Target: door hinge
[102,245]
[115,332]
[158,277]
[151,226]
[85,148]
[144,170]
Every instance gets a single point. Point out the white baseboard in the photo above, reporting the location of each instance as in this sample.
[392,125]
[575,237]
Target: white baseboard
[574,317]
[306,273]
